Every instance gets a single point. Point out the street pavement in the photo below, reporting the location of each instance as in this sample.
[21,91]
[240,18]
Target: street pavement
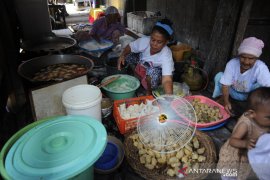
[76,16]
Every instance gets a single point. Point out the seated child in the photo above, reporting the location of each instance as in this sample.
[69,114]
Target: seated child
[259,157]
[250,126]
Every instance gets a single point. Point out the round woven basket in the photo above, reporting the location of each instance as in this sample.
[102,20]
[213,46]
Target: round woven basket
[133,159]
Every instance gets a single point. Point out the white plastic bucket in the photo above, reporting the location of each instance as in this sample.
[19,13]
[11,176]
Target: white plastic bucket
[83,100]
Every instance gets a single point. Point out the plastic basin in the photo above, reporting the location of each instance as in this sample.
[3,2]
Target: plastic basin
[209,102]
[122,88]
[213,127]
[94,47]
[58,147]
[11,141]
[120,157]
[109,157]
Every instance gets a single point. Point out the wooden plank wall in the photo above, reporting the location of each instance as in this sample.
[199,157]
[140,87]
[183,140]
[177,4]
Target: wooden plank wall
[216,27]
[242,24]
[193,20]
[259,26]
[222,36]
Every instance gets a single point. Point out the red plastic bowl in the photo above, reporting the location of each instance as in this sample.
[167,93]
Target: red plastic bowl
[209,102]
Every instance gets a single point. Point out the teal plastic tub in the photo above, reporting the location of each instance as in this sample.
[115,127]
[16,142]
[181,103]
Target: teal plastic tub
[63,147]
[122,88]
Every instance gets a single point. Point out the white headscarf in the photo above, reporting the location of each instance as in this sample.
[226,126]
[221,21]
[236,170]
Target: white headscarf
[259,157]
[251,46]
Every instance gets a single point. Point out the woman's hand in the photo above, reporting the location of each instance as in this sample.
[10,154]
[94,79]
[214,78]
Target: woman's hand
[121,61]
[97,38]
[228,107]
[227,103]
[82,36]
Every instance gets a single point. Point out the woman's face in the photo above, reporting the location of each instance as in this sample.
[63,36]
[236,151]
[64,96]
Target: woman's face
[247,61]
[157,42]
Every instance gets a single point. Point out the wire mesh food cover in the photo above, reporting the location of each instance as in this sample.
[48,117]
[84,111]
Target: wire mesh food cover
[168,128]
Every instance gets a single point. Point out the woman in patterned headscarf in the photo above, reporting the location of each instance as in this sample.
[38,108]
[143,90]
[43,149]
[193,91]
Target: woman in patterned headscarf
[106,27]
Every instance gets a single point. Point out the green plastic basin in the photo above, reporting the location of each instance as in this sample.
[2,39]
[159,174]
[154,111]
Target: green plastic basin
[122,88]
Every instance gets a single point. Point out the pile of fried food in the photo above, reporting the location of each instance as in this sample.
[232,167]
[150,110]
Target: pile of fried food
[189,157]
[58,72]
[206,113]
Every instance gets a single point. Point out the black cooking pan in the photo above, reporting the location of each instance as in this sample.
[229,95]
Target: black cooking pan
[48,44]
[28,68]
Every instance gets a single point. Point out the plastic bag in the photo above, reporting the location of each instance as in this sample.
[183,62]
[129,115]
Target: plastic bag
[179,89]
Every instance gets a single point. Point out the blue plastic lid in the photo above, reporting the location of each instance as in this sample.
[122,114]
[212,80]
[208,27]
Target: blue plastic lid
[57,149]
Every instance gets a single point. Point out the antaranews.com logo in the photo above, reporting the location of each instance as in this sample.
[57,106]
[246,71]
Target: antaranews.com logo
[224,172]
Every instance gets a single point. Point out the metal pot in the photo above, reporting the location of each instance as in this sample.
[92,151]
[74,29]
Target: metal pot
[28,68]
[48,44]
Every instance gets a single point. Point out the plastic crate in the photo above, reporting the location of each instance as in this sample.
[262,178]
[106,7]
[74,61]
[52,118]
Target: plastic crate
[124,125]
[142,21]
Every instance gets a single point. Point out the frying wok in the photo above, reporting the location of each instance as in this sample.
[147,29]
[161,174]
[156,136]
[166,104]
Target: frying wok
[28,68]
[48,44]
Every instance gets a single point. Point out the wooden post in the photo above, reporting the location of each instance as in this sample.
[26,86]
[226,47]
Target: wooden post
[222,36]
[242,24]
